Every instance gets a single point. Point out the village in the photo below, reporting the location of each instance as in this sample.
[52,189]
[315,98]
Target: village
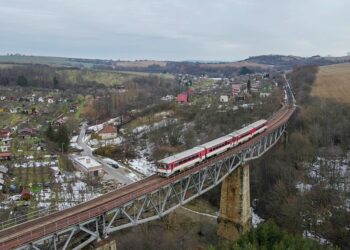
[40,173]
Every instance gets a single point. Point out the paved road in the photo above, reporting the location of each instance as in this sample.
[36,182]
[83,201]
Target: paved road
[120,174]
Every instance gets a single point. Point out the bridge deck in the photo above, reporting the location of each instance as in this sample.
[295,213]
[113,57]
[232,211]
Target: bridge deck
[49,224]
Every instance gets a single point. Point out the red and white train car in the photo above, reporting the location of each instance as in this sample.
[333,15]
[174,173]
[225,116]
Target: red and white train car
[180,161]
[246,133]
[217,146]
[188,158]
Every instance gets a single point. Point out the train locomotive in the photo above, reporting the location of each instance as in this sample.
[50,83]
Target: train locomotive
[186,159]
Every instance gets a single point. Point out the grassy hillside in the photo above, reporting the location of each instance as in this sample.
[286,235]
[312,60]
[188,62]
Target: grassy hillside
[333,82]
[104,77]
[47,60]
[68,75]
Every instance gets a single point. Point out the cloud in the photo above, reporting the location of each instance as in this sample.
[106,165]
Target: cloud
[174,29]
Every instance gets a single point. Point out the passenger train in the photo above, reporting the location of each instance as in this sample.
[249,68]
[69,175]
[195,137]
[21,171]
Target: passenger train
[186,159]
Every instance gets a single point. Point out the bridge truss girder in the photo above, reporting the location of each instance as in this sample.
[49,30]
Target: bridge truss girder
[158,203]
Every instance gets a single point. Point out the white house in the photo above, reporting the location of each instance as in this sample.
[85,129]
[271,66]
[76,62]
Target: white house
[86,164]
[265,94]
[50,100]
[4,148]
[224,98]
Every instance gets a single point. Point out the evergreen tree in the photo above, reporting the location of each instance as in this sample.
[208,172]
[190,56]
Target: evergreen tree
[249,86]
[50,133]
[62,138]
[244,71]
[22,81]
[55,82]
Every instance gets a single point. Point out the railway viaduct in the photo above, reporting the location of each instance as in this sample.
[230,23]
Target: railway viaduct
[154,197]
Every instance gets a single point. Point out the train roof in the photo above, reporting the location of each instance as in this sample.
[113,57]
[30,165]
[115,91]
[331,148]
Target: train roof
[241,131]
[181,155]
[216,141]
[257,123]
[248,127]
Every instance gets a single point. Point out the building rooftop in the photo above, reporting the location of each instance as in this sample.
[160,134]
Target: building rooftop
[87,162]
[108,129]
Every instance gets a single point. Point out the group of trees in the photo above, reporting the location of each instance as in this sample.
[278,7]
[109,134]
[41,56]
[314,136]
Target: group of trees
[137,93]
[59,136]
[269,236]
[319,129]
[192,68]
[41,76]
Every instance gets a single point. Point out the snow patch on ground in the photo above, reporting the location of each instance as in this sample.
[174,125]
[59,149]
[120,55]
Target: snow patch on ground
[133,177]
[310,235]
[143,165]
[96,128]
[302,187]
[256,220]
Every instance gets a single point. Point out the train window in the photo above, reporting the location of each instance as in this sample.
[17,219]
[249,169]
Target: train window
[164,166]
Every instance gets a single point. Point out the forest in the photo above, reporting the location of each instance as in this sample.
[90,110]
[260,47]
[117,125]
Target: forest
[303,185]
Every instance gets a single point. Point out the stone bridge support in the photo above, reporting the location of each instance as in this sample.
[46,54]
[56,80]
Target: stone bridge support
[235,211]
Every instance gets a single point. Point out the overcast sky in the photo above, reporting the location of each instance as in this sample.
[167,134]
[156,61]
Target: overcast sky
[174,29]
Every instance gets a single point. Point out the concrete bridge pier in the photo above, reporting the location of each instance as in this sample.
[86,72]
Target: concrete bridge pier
[235,212]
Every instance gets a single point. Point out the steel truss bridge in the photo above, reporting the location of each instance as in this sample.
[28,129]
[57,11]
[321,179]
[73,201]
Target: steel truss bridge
[140,202]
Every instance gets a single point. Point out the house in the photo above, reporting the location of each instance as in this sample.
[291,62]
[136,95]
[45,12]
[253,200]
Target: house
[224,98]
[73,109]
[50,100]
[108,132]
[263,95]
[183,97]
[5,155]
[2,98]
[6,141]
[86,164]
[4,148]
[13,110]
[41,99]
[3,169]
[27,132]
[167,98]
[237,88]
[5,134]
[32,98]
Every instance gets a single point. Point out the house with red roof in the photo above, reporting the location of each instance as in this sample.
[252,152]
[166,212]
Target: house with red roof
[182,98]
[108,132]
[5,155]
